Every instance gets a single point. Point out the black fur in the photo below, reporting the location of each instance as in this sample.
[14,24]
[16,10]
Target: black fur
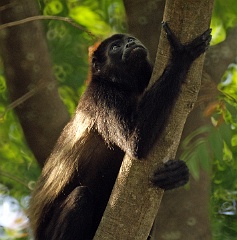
[116,115]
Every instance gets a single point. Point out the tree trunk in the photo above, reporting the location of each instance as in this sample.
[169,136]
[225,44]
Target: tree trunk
[134,203]
[168,224]
[29,77]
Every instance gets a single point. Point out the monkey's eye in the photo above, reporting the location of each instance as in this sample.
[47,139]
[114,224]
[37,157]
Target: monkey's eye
[115,47]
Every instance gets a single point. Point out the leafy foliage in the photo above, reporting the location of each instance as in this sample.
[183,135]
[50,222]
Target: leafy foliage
[69,47]
[224,17]
[214,148]
[224,188]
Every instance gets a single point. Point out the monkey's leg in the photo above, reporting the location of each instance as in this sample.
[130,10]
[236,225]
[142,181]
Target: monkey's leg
[73,218]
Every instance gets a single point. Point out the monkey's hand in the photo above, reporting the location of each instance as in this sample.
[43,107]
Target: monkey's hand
[187,52]
[172,174]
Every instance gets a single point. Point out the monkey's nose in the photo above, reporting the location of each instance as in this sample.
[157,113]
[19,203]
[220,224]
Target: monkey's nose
[130,43]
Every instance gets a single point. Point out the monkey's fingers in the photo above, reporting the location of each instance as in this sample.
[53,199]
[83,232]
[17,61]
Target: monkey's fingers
[174,42]
[172,174]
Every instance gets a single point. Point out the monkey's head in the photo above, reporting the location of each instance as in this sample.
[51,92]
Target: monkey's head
[120,58]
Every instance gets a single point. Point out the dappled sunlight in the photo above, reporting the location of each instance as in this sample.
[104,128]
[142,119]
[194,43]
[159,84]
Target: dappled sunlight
[13,221]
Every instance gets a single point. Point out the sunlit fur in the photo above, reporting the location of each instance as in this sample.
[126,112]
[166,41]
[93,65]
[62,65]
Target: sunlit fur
[56,174]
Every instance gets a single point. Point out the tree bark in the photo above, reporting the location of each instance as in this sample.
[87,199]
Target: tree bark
[134,203]
[29,77]
[196,205]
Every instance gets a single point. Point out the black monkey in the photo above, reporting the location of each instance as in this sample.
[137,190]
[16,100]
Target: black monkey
[116,115]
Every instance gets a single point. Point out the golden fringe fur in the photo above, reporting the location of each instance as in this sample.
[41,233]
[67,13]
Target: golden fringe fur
[60,164]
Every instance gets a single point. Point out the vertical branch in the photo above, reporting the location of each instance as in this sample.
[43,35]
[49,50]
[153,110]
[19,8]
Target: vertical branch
[134,203]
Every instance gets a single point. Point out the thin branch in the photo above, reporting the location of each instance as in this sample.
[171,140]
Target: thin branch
[59,18]
[9,5]
[23,98]
[16,179]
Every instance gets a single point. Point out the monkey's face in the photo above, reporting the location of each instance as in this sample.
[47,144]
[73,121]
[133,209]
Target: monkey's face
[120,51]
[122,59]
[126,50]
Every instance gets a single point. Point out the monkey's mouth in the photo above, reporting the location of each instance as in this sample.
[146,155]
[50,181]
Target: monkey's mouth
[137,48]
[134,52]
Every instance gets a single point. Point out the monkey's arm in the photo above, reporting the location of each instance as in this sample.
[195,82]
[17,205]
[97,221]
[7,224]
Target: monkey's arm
[158,102]
[132,125]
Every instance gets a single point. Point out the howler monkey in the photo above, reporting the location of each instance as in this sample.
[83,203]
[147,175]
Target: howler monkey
[116,115]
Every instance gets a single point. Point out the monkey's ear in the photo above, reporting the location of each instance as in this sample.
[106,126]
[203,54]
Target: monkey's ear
[91,57]
[95,64]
